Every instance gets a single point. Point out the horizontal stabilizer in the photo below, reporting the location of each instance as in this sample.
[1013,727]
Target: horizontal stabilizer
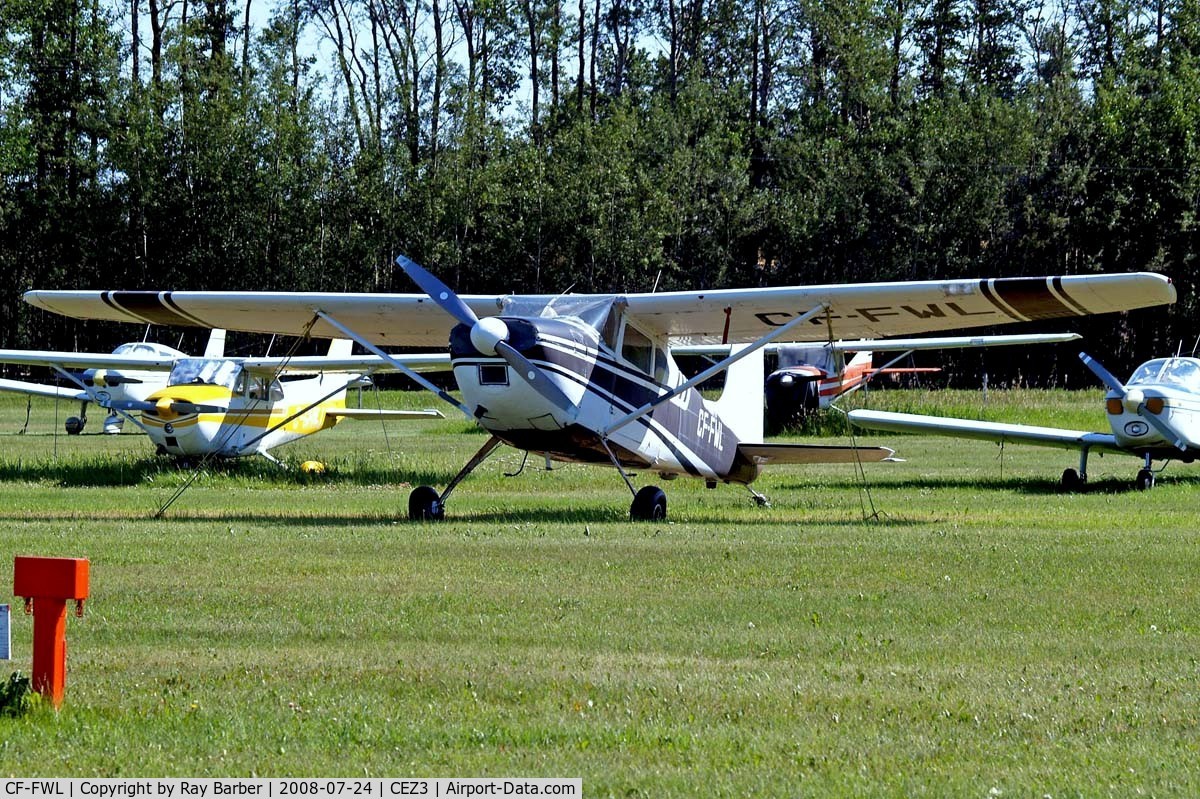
[370,413]
[770,454]
[986,431]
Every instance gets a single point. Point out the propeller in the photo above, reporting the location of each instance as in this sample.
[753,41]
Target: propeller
[1134,400]
[176,407]
[489,335]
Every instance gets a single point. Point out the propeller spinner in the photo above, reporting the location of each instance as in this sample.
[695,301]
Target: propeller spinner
[489,335]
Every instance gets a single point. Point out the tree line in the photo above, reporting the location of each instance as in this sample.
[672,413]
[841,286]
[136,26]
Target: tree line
[599,145]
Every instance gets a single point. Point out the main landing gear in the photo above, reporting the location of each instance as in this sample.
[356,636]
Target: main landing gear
[1076,480]
[425,504]
[74,424]
[649,505]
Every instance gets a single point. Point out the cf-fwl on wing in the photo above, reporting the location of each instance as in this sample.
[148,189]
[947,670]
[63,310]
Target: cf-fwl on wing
[590,378]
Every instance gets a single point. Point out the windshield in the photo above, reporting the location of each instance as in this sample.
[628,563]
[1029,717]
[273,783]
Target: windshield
[592,310]
[203,371]
[1181,372]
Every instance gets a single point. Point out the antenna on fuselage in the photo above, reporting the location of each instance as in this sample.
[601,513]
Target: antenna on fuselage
[1194,346]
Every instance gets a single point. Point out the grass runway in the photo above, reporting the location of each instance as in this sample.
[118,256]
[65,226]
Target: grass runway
[984,635]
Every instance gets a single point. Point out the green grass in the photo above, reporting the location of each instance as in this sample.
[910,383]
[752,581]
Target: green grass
[985,632]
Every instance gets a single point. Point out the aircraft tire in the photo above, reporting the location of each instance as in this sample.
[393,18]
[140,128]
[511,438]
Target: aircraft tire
[1145,480]
[649,505]
[74,425]
[425,505]
[1071,481]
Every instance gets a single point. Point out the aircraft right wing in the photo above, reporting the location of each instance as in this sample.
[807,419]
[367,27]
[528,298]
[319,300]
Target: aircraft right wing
[43,390]
[771,454]
[987,431]
[88,360]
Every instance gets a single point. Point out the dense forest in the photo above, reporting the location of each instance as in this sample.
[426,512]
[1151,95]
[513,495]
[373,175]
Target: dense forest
[598,145]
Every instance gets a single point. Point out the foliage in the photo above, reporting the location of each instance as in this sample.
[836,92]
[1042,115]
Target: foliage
[614,146]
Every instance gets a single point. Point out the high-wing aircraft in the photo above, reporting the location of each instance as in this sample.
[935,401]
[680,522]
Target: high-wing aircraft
[234,406]
[590,378]
[809,377]
[131,372]
[1154,416]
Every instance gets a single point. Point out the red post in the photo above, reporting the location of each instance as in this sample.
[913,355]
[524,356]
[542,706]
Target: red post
[47,584]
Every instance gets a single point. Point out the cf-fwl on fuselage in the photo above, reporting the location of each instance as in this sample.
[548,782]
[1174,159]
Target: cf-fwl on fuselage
[590,378]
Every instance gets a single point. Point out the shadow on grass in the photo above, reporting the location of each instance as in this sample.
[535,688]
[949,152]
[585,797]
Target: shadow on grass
[1032,486]
[107,472]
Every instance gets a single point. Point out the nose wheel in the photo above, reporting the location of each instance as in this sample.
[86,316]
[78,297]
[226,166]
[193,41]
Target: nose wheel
[1145,480]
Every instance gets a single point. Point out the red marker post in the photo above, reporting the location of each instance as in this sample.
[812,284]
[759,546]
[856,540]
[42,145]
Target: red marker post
[46,584]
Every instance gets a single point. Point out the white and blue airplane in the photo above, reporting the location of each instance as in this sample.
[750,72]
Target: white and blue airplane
[591,379]
[130,373]
[1153,416]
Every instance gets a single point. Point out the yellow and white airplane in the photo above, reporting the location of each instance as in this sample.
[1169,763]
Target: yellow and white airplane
[132,371]
[235,406]
[591,379]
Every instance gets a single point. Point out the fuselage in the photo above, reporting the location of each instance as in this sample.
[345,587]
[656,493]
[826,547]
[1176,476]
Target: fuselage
[606,380]
[1169,389]
[115,385]
[236,409]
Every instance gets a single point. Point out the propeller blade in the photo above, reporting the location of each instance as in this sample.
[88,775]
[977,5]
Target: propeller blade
[446,299]
[1106,377]
[538,379]
[1165,430]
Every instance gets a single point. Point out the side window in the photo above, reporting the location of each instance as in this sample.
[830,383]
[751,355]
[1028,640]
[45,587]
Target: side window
[636,348]
[661,369]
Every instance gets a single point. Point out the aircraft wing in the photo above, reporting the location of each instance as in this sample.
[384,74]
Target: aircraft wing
[369,413]
[987,431]
[420,362]
[43,390]
[87,360]
[769,454]
[900,344]
[688,317]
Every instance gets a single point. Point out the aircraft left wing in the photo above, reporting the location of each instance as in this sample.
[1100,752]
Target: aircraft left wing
[42,390]
[873,310]
[768,454]
[987,431]
[369,413]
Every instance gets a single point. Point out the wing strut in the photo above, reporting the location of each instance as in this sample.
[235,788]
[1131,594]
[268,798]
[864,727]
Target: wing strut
[424,382]
[715,369]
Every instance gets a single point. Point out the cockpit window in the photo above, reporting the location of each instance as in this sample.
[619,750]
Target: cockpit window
[1181,372]
[202,371]
[636,348]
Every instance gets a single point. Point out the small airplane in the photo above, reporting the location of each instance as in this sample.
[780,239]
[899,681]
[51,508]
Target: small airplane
[1154,416]
[809,377]
[234,406]
[131,372]
[590,378]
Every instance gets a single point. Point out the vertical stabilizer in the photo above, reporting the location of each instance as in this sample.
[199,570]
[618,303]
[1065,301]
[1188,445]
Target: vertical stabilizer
[341,348]
[216,344]
[741,404]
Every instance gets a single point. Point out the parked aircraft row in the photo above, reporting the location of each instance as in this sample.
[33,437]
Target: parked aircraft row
[592,378]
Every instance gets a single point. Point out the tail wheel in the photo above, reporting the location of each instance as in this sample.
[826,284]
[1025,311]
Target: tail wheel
[1145,480]
[649,505]
[425,505]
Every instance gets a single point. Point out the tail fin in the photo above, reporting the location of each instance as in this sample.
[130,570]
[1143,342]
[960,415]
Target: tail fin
[341,348]
[216,344]
[741,403]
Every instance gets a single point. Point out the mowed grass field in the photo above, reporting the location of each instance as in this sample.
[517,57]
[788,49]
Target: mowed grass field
[981,634]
